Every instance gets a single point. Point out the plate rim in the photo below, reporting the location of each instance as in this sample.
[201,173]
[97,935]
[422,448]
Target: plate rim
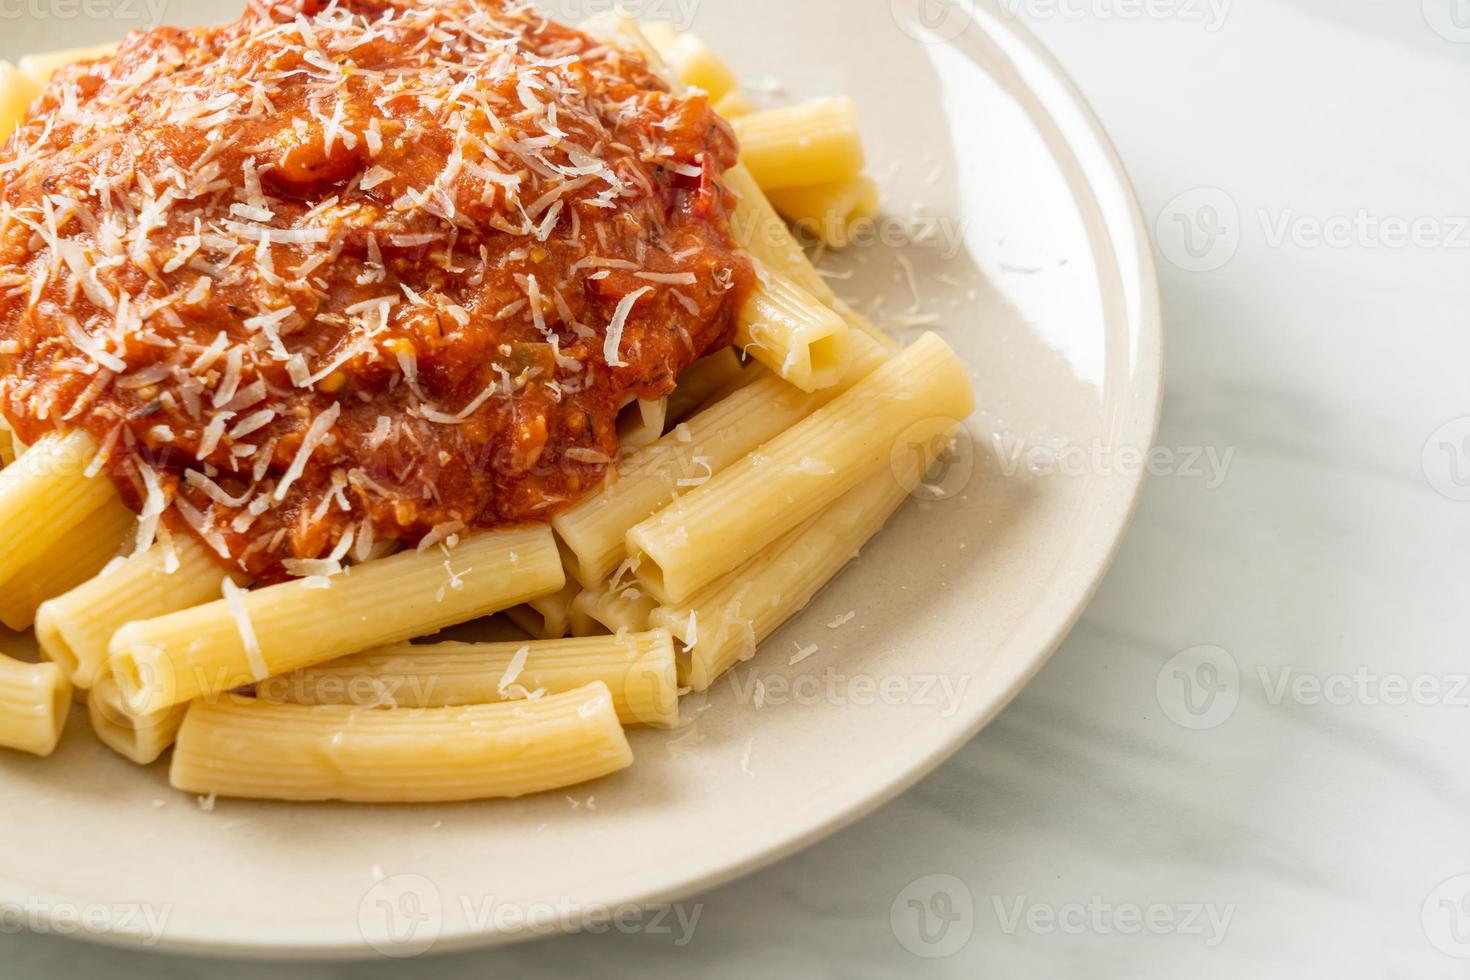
[1142,403]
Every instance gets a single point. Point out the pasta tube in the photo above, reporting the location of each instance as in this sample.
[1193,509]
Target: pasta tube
[74,629]
[638,669]
[702,381]
[549,617]
[719,526]
[624,609]
[816,142]
[829,211]
[727,620]
[139,739]
[250,636]
[594,531]
[255,749]
[35,700]
[44,495]
[77,556]
[584,625]
[792,333]
[693,61]
[641,422]
[762,233]
[734,105]
[17,92]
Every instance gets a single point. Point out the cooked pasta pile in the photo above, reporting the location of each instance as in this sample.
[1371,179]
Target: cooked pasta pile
[416,312]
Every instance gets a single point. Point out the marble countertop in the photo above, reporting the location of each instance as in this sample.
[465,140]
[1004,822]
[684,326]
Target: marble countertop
[1249,759]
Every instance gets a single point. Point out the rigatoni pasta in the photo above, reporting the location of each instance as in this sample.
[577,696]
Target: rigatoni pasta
[642,422]
[789,331]
[75,557]
[618,607]
[638,668]
[594,532]
[74,629]
[257,749]
[550,616]
[35,700]
[797,146]
[693,61]
[16,92]
[718,526]
[251,636]
[725,622]
[141,739]
[704,381]
[828,211]
[734,105]
[45,494]
[761,230]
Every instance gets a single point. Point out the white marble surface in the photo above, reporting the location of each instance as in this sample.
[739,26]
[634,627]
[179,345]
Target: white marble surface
[1300,834]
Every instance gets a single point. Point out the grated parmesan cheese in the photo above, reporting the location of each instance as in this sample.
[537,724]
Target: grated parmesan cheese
[610,350]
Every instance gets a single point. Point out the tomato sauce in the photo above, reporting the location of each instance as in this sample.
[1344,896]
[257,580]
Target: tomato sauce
[330,276]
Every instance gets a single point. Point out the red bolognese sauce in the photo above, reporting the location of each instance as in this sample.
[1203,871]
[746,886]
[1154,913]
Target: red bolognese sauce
[375,270]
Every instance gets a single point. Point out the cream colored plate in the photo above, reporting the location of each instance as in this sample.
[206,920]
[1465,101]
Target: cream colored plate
[1037,269]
